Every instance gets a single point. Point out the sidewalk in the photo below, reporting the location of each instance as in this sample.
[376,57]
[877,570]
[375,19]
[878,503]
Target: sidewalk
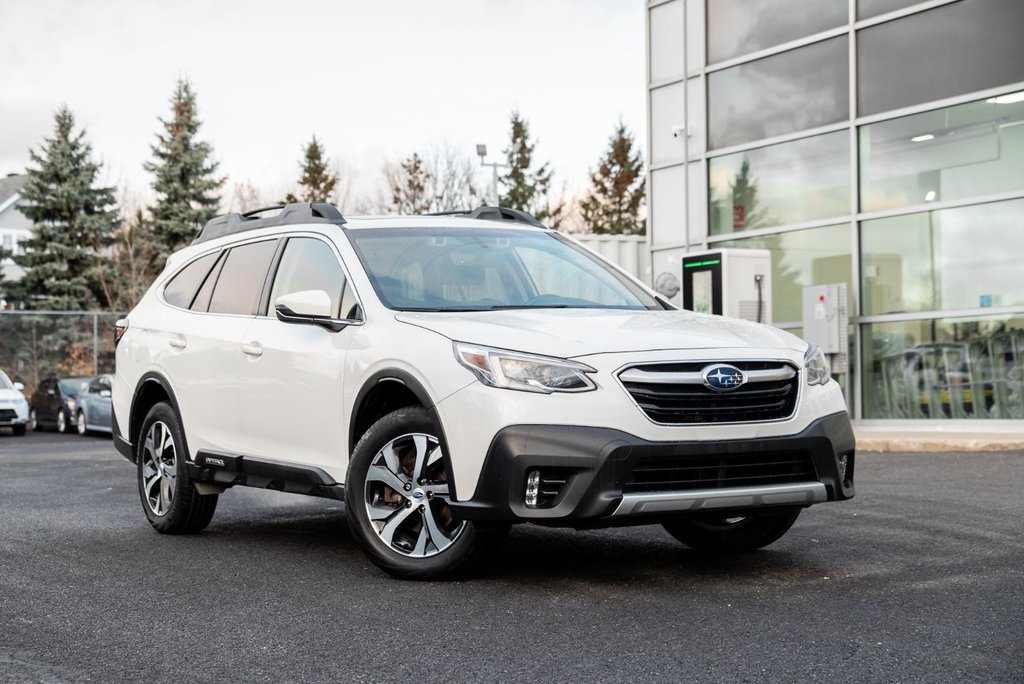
[898,436]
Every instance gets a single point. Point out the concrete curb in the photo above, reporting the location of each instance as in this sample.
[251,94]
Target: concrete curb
[938,443]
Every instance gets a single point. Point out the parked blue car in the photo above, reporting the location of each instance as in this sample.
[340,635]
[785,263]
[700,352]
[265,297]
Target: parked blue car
[94,406]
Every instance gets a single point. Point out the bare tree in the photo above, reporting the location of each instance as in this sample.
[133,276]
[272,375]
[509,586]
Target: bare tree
[439,178]
[245,197]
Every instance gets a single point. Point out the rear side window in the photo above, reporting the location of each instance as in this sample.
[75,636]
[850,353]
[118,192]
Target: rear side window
[241,278]
[309,264]
[202,300]
[182,287]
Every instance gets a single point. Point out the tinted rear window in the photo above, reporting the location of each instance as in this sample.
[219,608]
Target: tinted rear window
[182,287]
[241,278]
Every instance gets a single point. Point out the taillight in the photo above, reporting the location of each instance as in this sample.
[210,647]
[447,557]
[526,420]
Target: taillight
[120,328]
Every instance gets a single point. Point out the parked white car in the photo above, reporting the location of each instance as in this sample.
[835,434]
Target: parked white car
[448,376]
[13,405]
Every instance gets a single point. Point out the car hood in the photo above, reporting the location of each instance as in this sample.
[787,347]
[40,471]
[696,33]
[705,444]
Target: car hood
[9,394]
[578,332]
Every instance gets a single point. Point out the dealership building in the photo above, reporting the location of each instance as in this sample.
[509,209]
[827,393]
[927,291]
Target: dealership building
[873,143]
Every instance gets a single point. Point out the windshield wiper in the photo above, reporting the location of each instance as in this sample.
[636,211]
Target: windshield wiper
[503,307]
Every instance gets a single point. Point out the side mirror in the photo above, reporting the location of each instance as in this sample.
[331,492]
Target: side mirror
[105,394]
[308,307]
[19,386]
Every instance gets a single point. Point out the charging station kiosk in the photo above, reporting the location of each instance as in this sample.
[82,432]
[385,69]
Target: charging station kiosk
[729,282]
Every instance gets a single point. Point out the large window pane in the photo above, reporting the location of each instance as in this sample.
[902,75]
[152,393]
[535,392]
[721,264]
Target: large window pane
[803,257]
[739,27]
[963,258]
[945,368]
[964,151]
[792,182]
[241,278]
[953,49]
[871,8]
[666,40]
[788,92]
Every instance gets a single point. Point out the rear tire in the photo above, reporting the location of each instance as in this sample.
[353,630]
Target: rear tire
[396,502]
[723,534]
[169,497]
[33,422]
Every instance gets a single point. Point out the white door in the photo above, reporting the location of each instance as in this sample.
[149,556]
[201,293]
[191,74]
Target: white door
[291,388]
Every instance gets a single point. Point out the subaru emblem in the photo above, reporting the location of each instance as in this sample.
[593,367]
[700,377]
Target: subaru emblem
[722,377]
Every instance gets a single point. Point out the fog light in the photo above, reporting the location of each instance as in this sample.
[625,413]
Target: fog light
[532,488]
[841,462]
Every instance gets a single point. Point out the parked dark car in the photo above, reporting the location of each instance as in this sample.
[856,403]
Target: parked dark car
[94,406]
[55,402]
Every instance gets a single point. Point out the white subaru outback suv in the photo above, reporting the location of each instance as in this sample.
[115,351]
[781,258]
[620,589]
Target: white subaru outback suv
[448,376]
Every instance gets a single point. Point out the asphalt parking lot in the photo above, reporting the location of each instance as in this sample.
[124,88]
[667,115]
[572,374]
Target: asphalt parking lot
[920,578]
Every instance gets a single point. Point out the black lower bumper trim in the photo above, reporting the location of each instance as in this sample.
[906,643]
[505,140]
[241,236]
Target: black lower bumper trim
[123,446]
[595,464]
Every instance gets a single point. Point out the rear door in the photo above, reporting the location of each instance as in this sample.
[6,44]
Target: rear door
[202,332]
[291,387]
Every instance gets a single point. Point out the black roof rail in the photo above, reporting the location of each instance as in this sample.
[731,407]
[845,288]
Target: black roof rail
[295,213]
[494,214]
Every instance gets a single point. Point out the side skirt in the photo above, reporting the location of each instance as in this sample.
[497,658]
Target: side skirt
[229,470]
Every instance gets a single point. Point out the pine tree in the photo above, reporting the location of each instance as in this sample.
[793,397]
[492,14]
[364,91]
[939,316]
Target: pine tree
[73,221]
[184,176]
[317,180]
[527,188]
[617,188]
[410,185]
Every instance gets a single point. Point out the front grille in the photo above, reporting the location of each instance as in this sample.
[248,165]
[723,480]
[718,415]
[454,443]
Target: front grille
[682,473]
[675,394]
[7,415]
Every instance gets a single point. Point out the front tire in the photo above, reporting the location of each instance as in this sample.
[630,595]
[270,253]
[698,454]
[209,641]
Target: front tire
[169,497]
[80,423]
[723,534]
[396,501]
[62,421]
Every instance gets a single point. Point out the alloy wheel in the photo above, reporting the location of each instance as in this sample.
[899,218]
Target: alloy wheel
[159,462]
[80,423]
[406,497]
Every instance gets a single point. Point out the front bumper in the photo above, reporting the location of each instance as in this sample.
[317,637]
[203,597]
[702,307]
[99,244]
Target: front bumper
[13,415]
[595,464]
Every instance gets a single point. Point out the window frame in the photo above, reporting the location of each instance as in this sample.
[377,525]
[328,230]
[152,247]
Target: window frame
[264,311]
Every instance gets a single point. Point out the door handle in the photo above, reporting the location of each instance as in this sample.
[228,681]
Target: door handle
[178,342]
[252,348]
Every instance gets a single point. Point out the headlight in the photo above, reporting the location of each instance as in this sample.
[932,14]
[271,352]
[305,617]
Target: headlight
[71,404]
[526,372]
[816,365]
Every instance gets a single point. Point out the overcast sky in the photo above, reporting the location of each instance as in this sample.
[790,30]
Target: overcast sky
[373,79]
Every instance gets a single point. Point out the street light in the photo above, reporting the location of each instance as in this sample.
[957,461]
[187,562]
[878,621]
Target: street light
[481,151]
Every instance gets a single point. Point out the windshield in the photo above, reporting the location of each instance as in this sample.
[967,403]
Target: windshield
[5,382]
[73,385]
[472,269]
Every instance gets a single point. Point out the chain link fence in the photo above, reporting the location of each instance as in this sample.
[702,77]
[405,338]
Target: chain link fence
[39,344]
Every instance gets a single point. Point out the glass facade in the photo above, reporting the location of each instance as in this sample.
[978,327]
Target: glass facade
[945,368]
[781,184]
[952,153]
[887,155]
[739,27]
[787,92]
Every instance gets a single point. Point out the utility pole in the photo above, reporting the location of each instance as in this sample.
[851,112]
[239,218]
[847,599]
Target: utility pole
[481,151]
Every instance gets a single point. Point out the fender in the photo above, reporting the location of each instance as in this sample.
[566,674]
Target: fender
[135,416]
[413,385]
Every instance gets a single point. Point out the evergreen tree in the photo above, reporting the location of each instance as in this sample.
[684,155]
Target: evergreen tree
[410,185]
[317,180]
[617,188]
[73,221]
[526,187]
[184,177]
